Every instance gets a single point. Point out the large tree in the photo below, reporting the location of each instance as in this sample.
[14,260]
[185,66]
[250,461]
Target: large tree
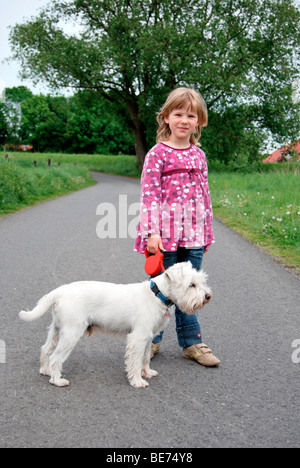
[238,53]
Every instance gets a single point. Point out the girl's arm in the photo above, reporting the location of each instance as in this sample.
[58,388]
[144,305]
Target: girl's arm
[151,201]
[207,199]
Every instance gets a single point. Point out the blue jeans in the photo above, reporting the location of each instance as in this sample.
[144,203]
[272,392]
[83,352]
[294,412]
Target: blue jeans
[187,326]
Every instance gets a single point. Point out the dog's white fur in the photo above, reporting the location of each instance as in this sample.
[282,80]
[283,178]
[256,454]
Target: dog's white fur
[131,310]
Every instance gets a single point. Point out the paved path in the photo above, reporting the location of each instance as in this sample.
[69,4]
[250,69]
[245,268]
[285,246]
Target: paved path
[252,400]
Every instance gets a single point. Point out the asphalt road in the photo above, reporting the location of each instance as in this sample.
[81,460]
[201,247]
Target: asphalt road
[251,400]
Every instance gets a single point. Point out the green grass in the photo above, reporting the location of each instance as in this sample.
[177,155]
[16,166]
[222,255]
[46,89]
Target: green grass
[22,186]
[263,207]
[120,165]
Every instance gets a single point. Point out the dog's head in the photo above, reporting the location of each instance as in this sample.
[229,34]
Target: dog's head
[187,287]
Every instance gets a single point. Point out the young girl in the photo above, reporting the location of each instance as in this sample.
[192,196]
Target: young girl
[176,211]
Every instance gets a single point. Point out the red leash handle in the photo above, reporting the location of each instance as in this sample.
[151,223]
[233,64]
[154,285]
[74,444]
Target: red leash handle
[154,263]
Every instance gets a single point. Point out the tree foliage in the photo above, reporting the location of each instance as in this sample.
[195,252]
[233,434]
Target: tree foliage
[240,54]
[82,123]
[4,125]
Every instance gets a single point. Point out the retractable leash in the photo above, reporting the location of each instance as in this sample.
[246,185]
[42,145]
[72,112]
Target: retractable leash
[153,266]
[154,263]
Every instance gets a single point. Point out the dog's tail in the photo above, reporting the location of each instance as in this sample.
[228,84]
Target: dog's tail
[41,308]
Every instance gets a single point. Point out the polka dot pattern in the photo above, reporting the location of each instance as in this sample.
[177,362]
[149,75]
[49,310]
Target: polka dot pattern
[175,199]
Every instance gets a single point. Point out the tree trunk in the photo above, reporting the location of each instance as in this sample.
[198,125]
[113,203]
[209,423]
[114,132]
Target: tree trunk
[139,131]
[140,145]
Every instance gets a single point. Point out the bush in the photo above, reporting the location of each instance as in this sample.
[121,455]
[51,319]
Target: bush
[12,183]
[25,185]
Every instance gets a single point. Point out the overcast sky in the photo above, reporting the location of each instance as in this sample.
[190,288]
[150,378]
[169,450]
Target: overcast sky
[12,12]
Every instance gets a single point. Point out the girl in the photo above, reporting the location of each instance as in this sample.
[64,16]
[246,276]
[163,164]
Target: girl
[176,211]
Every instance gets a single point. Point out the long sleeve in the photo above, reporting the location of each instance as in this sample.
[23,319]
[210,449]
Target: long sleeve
[151,194]
[208,206]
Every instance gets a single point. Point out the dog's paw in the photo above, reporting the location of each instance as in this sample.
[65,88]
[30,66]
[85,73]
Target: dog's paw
[139,383]
[149,373]
[44,371]
[59,382]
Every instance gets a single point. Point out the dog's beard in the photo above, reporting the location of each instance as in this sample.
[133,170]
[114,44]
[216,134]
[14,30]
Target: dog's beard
[191,307]
[193,304]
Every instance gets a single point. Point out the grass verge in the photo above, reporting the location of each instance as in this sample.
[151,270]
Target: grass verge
[264,208]
[22,186]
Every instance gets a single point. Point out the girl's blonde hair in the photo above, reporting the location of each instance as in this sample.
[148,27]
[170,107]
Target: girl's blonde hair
[176,100]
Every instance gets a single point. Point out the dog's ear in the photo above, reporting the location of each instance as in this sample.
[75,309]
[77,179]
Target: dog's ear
[172,272]
[179,272]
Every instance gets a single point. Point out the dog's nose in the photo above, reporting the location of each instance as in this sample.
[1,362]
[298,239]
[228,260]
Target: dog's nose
[207,297]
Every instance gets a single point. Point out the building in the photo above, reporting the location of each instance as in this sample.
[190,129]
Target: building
[285,153]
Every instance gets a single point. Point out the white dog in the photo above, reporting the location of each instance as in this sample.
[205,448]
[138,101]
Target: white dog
[139,311]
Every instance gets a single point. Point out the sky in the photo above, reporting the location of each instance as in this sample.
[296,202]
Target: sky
[12,12]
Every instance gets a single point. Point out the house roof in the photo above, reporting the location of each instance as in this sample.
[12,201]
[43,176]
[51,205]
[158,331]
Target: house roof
[277,155]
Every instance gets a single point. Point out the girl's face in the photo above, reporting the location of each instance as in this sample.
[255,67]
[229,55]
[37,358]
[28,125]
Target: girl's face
[182,123]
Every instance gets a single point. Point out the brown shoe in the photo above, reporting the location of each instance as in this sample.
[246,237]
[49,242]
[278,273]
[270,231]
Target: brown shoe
[202,354]
[155,347]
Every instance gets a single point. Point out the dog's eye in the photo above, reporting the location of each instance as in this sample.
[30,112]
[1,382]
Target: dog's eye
[192,285]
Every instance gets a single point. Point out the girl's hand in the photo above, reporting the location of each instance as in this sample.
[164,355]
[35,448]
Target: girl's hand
[154,243]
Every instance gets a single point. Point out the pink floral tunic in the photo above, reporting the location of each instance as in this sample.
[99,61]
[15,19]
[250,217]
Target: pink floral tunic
[175,199]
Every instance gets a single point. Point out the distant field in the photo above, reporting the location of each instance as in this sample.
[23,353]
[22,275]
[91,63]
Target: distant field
[262,206]
[123,164]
